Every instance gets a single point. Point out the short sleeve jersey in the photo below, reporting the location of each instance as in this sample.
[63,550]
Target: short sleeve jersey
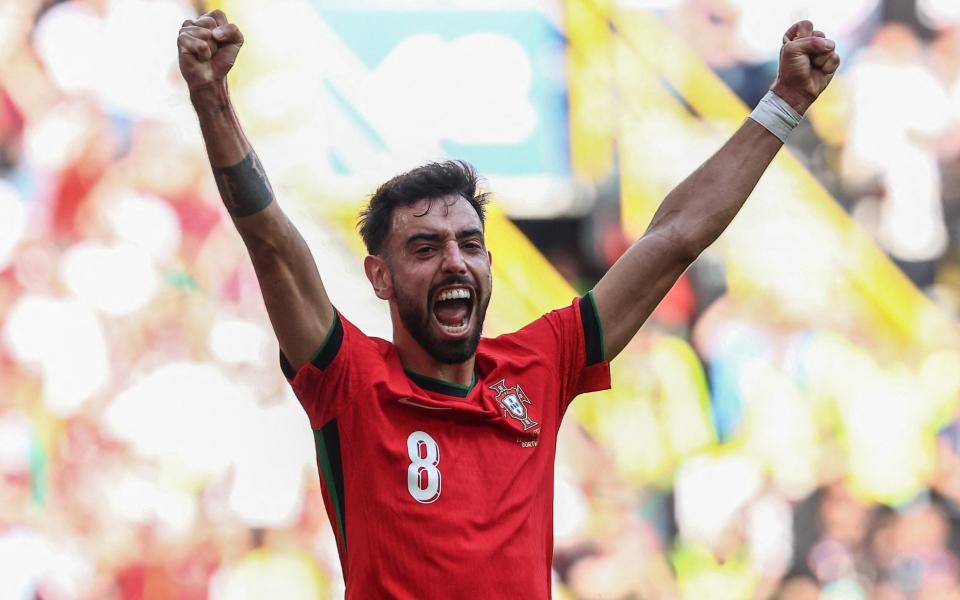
[442,491]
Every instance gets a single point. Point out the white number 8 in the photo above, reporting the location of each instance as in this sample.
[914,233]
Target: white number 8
[423,477]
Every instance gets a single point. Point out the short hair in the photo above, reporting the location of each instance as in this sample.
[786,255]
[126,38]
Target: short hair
[429,182]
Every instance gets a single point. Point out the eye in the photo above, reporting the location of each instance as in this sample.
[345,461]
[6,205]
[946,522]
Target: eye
[424,251]
[473,245]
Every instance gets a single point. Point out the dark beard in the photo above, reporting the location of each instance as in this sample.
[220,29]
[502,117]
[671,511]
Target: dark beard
[417,319]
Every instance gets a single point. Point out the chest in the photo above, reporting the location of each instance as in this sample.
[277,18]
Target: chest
[426,450]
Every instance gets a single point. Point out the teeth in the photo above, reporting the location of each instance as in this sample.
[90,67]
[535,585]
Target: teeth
[455,329]
[454,294]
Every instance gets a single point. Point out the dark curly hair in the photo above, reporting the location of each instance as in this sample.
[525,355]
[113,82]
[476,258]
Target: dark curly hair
[429,182]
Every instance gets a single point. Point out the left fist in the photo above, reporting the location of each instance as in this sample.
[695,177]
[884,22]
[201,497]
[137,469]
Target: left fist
[807,64]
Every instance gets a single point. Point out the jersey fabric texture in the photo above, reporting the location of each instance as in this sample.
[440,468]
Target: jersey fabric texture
[436,490]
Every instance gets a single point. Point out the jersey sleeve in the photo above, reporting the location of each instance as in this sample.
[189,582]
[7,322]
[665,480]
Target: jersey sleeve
[571,339]
[326,384]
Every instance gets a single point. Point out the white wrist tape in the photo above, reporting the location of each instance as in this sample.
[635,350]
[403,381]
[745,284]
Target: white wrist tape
[776,116]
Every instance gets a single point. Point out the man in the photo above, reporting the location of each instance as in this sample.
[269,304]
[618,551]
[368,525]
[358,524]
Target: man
[436,451]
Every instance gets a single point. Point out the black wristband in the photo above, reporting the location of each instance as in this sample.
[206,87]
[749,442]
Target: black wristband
[244,187]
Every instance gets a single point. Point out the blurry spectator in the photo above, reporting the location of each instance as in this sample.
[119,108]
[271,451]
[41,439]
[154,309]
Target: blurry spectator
[920,564]
[945,62]
[832,529]
[898,111]
[713,27]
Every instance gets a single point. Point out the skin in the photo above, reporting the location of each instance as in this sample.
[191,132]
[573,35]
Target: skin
[432,247]
[296,300]
[690,218]
[695,213]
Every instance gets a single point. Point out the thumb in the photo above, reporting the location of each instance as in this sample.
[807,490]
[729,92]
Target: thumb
[810,46]
[228,34]
[229,39]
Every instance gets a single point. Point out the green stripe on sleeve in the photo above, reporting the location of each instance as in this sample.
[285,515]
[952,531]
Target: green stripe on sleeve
[328,459]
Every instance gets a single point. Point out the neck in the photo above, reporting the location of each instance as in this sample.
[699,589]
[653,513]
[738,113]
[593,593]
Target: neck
[416,359]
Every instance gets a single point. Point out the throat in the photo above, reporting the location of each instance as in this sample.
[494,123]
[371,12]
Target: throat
[458,384]
[433,375]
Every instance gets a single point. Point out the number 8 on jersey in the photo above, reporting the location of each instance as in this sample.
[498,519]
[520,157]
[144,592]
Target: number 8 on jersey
[423,476]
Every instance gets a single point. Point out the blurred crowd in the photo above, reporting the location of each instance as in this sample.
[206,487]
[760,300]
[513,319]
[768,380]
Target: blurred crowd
[812,460]
[144,421]
[142,417]
[885,138]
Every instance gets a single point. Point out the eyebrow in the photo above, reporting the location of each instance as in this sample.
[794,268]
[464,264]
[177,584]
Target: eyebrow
[436,237]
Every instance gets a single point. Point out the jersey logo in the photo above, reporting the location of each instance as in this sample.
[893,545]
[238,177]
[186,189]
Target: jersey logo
[514,401]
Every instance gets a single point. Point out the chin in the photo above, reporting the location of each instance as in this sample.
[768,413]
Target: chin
[453,352]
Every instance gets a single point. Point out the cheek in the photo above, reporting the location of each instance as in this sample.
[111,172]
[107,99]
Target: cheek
[482,270]
[410,282]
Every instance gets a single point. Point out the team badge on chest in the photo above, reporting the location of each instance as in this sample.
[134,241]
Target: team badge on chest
[514,403]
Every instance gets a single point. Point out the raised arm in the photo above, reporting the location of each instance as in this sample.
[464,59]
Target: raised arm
[299,309]
[697,211]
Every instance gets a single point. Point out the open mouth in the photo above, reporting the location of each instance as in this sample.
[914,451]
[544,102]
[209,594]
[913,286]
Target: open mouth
[453,310]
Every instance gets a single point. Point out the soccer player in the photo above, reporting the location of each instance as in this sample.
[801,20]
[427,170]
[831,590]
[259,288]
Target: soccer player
[436,450]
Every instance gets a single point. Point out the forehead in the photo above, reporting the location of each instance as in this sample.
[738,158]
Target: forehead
[444,215]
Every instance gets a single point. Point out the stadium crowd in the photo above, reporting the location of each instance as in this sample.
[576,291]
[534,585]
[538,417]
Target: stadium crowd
[143,416]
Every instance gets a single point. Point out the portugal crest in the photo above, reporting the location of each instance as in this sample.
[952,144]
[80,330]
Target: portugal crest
[514,403]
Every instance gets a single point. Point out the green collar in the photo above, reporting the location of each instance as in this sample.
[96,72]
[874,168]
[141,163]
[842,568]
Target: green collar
[440,386]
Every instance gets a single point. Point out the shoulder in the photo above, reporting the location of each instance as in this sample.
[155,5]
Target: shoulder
[344,345]
[364,351]
[544,331]
[580,315]
[573,329]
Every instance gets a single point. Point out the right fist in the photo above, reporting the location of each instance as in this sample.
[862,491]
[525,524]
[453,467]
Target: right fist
[208,47]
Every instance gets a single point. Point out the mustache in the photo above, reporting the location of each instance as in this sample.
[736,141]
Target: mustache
[451,280]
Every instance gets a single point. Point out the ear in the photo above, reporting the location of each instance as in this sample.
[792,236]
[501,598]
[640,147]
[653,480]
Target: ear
[379,276]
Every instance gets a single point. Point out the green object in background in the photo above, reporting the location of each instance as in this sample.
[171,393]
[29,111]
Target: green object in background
[182,280]
[701,575]
[38,472]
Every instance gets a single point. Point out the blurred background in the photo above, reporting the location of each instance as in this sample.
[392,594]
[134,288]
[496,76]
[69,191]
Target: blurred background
[785,426]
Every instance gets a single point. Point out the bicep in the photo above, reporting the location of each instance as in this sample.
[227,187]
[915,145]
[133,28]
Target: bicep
[633,287]
[297,303]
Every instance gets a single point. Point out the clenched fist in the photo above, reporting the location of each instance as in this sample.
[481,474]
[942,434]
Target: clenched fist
[807,64]
[208,47]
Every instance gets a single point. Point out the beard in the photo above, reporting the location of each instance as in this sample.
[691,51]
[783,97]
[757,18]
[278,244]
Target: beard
[417,315]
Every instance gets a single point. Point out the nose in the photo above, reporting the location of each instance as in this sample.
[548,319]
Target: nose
[453,259]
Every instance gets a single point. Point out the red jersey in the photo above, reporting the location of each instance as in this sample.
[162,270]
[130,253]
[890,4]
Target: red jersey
[436,490]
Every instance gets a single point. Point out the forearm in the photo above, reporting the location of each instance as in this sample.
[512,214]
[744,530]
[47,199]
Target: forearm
[293,293]
[703,205]
[240,177]
[224,138]
[690,218]
[696,212]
